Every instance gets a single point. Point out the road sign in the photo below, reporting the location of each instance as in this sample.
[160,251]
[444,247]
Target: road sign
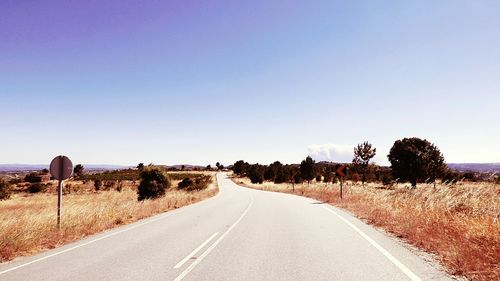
[342,171]
[61,168]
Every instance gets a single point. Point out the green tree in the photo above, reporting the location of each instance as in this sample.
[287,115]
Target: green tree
[240,167]
[327,174]
[414,160]
[185,183]
[78,170]
[363,153]
[308,169]
[256,173]
[154,182]
[285,173]
[97,184]
[36,187]
[32,178]
[272,171]
[140,167]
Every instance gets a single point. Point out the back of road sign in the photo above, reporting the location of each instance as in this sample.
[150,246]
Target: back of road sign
[61,167]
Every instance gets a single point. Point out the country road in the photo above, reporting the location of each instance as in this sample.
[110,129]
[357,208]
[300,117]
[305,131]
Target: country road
[240,234]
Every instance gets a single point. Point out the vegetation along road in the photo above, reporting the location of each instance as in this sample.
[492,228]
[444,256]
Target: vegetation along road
[240,234]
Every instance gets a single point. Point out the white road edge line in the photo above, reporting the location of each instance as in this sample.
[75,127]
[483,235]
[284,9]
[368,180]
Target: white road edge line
[195,251]
[207,251]
[388,255]
[81,245]
[162,216]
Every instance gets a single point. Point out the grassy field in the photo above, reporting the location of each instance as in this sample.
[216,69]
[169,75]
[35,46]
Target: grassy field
[28,221]
[459,223]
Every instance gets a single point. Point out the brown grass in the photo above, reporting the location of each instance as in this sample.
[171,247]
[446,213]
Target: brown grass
[458,223]
[28,222]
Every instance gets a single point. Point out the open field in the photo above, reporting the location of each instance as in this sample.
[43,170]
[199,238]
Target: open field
[459,223]
[28,221]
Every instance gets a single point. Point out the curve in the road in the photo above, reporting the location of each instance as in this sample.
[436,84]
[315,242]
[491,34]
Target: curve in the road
[240,234]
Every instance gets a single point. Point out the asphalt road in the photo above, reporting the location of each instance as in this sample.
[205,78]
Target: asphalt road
[240,234]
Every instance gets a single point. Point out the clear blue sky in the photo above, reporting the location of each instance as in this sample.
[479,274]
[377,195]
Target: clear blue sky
[123,82]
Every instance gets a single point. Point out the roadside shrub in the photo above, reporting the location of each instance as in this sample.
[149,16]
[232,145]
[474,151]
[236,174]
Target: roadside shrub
[386,179]
[32,178]
[109,184]
[327,177]
[97,184]
[5,191]
[318,178]
[36,187]
[185,183]
[15,181]
[153,184]
[201,182]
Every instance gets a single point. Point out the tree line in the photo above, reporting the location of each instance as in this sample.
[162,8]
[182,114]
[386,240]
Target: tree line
[412,160]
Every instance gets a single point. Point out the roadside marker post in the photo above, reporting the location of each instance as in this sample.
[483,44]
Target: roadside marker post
[61,168]
[341,172]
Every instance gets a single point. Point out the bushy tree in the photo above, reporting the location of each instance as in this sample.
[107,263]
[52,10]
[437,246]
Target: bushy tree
[36,187]
[308,169]
[256,173]
[140,167]
[363,153]
[273,170]
[78,170]
[284,173]
[240,167]
[154,182]
[185,183]
[201,182]
[97,184]
[327,174]
[414,160]
[32,178]
[5,191]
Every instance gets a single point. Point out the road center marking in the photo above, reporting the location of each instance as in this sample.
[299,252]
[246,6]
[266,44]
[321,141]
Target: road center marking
[207,251]
[388,255]
[195,251]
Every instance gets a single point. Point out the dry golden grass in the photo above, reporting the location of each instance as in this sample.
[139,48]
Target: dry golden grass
[458,223]
[28,222]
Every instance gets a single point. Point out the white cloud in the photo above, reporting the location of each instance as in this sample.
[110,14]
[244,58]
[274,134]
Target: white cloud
[331,152]
[341,153]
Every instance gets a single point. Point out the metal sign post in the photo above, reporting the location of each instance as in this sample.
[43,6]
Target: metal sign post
[61,168]
[341,172]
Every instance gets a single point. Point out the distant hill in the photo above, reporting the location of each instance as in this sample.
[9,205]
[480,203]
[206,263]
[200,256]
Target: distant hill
[186,166]
[38,167]
[475,167]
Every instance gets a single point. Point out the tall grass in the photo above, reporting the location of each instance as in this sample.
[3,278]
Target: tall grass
[28,222]
[459,223]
